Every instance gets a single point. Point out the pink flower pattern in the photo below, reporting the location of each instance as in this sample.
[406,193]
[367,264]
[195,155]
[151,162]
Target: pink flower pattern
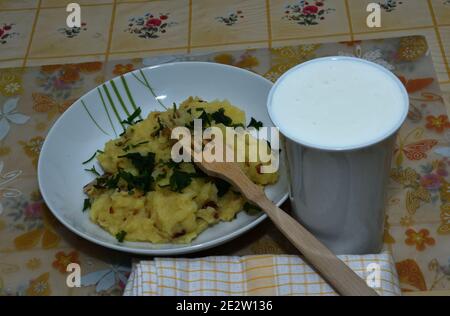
[307,12]
[150,25]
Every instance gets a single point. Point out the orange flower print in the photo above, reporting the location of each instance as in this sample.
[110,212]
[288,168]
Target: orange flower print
[246,60]
[419,239]
[121,69]
[39,286]
[412,48]
[224,59]
[32,148]
[50,68]
[70,74]
[63,260]
[90,66]
[410,276]
[438,123]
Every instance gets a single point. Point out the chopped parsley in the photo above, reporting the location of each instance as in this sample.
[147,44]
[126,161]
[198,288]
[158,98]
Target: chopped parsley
[189,125]
[220,117]
[141,163]
[131,119]
[172,164]
[198,173]
[256,124]
[144,166]
[179,180]
[206,118]
[251,209]
[120,236]
[161,176]
[98,151]
[222,187]
[142,182]
[174,110]
[86,204]
[159,129]
[93,170]
[107,182]
[132,146]
[92,157]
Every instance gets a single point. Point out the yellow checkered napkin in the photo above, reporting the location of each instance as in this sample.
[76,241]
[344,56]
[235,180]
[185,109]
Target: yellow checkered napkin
[251,275]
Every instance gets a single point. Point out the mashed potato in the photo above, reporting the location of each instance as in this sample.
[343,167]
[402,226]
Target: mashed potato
[144,196]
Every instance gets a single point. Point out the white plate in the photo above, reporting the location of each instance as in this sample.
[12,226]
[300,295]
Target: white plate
[90,122]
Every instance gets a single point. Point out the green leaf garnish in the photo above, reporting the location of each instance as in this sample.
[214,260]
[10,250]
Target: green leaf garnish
[98,151]
[179,180]
[174,110]
[159,129]
[131,119]
[254,123]
[93,170]
[206,119]
[92,157]
[251,209]
[107,182]
[172,164]
[141,182]
[161,176]
[141,163]
[86,204]
[222,187]
[120,236]
[198,173]
[220,117]
[132,146]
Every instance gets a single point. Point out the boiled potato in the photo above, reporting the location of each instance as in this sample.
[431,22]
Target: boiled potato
[144,196]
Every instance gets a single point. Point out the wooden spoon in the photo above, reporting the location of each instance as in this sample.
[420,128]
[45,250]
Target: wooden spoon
[332,269]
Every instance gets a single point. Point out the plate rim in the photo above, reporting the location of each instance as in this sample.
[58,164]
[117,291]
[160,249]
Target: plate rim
[145,251]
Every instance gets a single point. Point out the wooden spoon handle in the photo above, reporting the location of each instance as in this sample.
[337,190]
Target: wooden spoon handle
[332,269]
[343,279]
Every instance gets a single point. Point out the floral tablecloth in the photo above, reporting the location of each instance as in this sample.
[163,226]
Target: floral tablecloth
[35,248]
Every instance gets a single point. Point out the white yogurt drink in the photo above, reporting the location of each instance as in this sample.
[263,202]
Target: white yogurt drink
[340,116]
[338,103]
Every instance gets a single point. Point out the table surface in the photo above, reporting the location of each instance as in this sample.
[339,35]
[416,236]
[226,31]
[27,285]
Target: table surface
[33,33]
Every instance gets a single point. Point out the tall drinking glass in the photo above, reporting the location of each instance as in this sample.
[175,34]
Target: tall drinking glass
[340,116]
